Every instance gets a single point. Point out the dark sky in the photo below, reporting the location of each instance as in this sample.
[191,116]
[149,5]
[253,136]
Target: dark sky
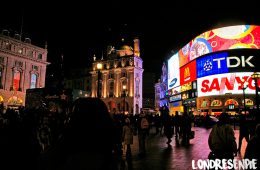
[80,30]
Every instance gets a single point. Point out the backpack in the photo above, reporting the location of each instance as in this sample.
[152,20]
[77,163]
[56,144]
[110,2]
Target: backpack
[144,123]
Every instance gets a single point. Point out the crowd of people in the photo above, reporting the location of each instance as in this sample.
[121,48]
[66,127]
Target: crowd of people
[222,141]
[44,140]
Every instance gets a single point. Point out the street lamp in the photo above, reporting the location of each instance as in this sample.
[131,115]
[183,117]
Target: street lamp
[256,77]
[99,67]
[124,95]
[244,95]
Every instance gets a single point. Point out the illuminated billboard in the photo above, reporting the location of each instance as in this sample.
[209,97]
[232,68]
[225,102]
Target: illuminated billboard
[240,60]
[225,38]
[212,64]
[227,83]
[187,73]
[173,71]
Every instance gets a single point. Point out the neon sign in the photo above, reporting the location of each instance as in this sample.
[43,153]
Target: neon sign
[225,83]
[220,39]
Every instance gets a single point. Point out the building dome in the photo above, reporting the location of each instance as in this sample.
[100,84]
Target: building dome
[125,50]
[126,47]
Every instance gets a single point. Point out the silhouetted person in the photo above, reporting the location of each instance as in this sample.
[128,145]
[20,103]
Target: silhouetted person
[222,141]
[177,126]
[168,129]
[143,127]
[186,128]
[127,136]
[243,131]
[207,121]
[87,142]
[253,147]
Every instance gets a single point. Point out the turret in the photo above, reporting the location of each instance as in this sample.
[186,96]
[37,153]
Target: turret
[136,47]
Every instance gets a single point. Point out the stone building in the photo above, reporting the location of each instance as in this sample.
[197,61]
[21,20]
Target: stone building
[22,66]
[120,79]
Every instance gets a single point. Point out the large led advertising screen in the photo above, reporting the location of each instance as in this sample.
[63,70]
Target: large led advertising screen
[173,71]
[239,60]
[227,83]
[225,38]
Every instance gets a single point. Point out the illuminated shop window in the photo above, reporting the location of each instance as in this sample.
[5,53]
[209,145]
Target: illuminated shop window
[33,81]
[16,80]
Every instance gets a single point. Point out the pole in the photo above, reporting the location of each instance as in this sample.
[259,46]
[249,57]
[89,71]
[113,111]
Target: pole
[256,96]
[124,103]
[244,95]
[98,85]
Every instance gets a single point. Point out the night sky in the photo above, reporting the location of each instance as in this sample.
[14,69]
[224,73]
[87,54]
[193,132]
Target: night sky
[78,31]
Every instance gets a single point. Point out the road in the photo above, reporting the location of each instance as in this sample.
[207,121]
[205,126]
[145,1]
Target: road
[161,157]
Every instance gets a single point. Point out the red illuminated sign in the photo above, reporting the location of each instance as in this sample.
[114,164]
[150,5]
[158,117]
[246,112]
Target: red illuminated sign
[188,73]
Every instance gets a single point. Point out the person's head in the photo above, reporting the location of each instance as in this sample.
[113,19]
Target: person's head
[127,121]
[90,126]
[142,114]
[223,118]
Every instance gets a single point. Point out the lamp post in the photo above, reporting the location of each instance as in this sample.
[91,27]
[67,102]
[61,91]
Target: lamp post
[99,67]
[256,77]
[244,96]
[124,95]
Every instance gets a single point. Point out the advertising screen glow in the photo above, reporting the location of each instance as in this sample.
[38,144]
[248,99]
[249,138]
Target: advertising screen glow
[232,37]
[212,64]
[173,71]
[187,73]
[228,83]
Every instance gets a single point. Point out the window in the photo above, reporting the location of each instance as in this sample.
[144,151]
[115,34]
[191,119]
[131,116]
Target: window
[35,67]
[111,89]
[18,64]
[1,60]
[123,74]
[39,56]
[33,81]
[30,54]
[111,76]
[16,80]
[8,46]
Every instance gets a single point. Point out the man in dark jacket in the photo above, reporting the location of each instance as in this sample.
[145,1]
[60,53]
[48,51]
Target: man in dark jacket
[253,147]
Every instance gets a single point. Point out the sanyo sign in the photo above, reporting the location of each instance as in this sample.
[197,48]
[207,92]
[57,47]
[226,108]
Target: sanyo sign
[225,83]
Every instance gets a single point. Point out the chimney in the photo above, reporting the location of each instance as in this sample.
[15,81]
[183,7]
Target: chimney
[27,40]
[17,36]
[5,32]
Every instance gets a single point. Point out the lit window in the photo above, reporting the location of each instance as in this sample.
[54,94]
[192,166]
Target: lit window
[16,80]
[33,81]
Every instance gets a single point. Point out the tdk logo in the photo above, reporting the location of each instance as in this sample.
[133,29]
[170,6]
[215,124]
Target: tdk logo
[207,66]
[234,61]
[224,63]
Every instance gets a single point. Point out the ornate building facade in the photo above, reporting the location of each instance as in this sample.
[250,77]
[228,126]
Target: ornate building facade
[160,89]
[22,66]
[119,80]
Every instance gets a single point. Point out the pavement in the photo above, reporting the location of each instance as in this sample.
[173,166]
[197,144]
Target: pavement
[160,156]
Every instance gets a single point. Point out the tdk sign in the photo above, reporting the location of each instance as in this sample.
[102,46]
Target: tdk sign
[235,61]
[223,63]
